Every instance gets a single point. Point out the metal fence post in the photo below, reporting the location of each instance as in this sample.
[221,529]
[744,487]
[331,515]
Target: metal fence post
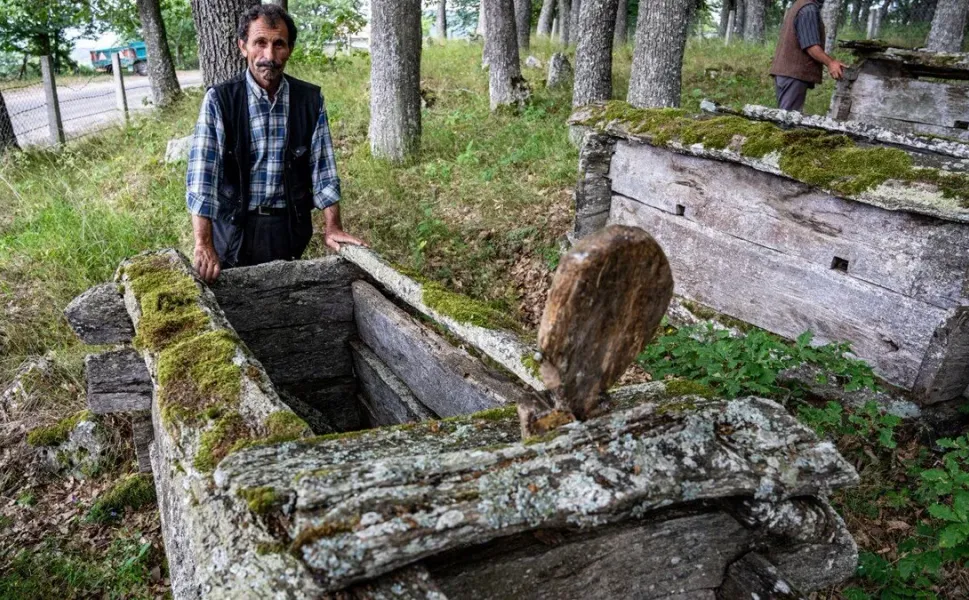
[731,18]
[53,108]
[119,85]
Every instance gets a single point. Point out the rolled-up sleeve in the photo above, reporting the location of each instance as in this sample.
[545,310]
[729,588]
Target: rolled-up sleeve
[205,160]
[326,183]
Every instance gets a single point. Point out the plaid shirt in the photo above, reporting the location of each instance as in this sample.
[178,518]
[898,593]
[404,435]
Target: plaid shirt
[267,145]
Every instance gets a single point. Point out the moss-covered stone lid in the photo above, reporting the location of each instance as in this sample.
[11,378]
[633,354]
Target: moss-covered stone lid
[880,175]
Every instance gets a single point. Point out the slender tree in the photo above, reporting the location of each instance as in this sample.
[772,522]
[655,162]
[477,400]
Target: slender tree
[661,33]
[622,23]
[830,15]
[574,21]
[565,11]
[859,22]
[395,79]
[506,85]
[948,26]
[161,69]
[441,24]
[216,22]
[593,55]
[8,139]
[523,23]
[545,18]
[725,7]
[754,20]
[739,19]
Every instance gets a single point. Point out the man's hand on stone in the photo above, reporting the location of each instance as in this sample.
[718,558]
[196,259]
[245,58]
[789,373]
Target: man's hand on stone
[334,237]
[836,68]
[206,263]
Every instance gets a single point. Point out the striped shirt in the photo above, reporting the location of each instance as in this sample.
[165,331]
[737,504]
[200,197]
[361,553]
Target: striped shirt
[267,146]
[807,26]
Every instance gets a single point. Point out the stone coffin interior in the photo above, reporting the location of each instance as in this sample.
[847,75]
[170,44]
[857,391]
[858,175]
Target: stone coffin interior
[346,358]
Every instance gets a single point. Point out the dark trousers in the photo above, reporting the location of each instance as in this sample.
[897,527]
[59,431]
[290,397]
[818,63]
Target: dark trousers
[791,92]
[264,238]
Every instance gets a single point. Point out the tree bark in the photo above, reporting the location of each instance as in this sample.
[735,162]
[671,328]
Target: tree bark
[754,21]
[661,35]
[856,13]
[948,26]
[740,19]
[506,85]
[161,69]
[725,8]
[622,23]
[216,22]
[523,23]
[565,12]
[574,21]
[830,12]
[593,56]
[545,18]
[8,139]
[395,79]
[441,24]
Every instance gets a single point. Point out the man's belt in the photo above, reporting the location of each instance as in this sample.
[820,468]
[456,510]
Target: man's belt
[269,211]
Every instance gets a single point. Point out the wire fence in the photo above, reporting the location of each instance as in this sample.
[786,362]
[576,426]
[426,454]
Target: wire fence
[83,106]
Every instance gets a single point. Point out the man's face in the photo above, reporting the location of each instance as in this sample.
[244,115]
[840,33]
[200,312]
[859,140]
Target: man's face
[266,51]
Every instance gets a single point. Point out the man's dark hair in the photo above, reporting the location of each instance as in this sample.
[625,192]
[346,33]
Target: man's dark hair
[272,13]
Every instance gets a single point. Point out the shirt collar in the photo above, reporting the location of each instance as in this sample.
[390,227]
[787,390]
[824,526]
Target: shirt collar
[260,93]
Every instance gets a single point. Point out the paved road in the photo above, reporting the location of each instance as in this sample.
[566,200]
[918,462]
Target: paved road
[85,107]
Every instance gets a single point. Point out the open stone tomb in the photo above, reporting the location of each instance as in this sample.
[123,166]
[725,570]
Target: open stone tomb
[884,267]
[317,430]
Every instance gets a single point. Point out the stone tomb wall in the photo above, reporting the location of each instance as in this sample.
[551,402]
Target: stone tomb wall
[885,269]
[663,498]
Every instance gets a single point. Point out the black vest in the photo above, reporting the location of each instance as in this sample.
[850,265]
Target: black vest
[305,103]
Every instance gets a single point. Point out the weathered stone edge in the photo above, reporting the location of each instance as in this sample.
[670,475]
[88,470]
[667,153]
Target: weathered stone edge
[502,346]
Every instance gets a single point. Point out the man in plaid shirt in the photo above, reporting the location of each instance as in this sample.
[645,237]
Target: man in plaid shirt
[261,158]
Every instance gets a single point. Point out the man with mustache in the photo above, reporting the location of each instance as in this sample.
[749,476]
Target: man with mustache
[800,55]
[261,158]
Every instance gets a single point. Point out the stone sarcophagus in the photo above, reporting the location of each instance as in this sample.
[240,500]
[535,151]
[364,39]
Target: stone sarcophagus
[905,90]
[326,429]
[798,224]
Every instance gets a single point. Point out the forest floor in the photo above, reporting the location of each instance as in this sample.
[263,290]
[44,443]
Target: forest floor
[484,211]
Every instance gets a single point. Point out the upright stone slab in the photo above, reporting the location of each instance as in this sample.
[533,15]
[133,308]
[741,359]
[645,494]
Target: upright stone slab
[98,316]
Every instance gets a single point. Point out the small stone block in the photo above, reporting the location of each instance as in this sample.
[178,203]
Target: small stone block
[98,316]
[117,381]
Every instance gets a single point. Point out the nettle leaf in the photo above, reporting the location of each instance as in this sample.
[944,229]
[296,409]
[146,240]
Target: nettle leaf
[907,565]
[934,476]
[953,535]
[960,504]
[941,511]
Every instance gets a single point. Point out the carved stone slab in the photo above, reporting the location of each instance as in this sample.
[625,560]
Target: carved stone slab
[607,299]
[98,316]
[386,398]
[117,381]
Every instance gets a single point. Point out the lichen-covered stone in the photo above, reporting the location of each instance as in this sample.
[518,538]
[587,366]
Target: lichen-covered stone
[98,316]
[75,445]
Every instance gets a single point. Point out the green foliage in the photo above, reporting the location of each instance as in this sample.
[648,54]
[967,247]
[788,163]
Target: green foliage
[737,366]
[134,492]
[324,26]
[45,27]
[59,432]
[122,571]
[868,422]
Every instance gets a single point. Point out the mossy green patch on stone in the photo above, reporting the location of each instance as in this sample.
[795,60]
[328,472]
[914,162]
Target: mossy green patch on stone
[501,413]
[264,548]
[675,407]
[199,376]
[830,161]
[169,301]
[261,500]
[686,387]
[281,426]
[57,433]
[467,310]
[134,492]
[343,435]
[532,366]
[216,442]
[325,530]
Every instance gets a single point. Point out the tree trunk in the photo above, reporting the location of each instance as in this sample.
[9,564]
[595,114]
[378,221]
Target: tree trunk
[740,19]
[622,23]
[161,69]
[754,21]
[565,11]
[948,26]
[725,8]
[8,139]
[545,18]
[441,24]
[523,23]
[856,14]
[574,21]
[658,59]
[593,56]
[830,12]
[506,85]
[395,79]
[216,22]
